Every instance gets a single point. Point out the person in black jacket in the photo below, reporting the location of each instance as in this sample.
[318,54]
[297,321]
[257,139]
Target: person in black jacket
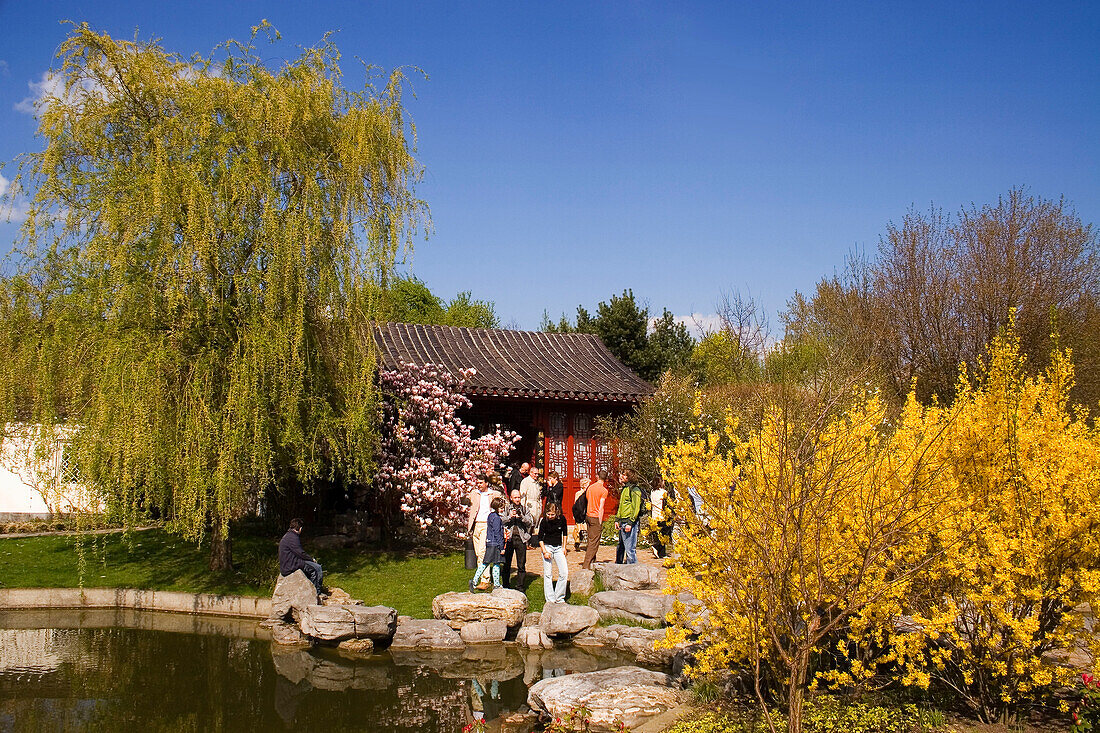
[518,525]
[554,490]
[292,557]
[552,534]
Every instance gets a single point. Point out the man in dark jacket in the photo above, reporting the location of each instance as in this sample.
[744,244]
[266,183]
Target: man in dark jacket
[292,557]
[518,525]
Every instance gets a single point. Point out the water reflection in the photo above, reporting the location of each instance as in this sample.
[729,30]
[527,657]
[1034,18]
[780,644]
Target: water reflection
[90,671]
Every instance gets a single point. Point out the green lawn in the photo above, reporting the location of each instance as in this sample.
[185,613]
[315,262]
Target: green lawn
[156,560]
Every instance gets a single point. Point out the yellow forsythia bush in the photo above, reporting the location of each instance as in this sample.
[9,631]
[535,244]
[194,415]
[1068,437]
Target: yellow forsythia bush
[1020,539]
[975,523]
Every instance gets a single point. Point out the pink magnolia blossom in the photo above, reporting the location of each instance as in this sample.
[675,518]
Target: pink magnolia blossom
[429,458]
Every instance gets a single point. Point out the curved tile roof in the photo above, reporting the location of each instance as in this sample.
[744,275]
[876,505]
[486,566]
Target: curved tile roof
[562,366]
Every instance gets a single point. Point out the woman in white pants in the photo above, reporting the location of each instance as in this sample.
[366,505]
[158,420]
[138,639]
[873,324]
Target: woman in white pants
[552,541]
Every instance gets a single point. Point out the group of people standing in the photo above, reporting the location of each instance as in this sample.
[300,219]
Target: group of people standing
[627,517]
[531,515]
[503,529]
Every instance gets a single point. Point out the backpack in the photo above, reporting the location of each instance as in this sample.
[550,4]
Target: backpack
[580,507]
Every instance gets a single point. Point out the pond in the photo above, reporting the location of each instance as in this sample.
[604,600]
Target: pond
[147,671]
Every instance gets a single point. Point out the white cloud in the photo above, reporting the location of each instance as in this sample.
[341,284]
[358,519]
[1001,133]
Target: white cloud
[52,86]
[13,207]
[698,324]
[4,68]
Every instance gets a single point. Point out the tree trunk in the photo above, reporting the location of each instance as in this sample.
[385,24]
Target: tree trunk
[221,549]
[795,692]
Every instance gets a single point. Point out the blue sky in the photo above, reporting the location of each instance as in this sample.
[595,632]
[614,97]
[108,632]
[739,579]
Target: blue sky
[679,149]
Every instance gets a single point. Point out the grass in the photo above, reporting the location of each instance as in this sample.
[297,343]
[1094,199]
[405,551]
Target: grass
[156,560]
[625,621]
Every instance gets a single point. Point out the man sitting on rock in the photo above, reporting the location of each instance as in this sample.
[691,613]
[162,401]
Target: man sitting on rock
[292,557]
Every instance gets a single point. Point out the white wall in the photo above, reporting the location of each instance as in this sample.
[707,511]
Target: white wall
[16,496]
[29,483]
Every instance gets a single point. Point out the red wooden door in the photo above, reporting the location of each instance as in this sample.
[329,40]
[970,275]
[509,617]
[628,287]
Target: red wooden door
[575,451]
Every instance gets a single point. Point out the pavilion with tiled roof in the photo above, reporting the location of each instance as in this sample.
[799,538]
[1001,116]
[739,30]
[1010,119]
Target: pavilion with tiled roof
[548,387]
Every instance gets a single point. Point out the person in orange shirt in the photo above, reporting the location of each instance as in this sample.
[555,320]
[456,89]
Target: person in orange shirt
[596,496]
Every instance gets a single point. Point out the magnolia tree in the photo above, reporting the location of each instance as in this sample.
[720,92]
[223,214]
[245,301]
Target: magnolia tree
[430,457]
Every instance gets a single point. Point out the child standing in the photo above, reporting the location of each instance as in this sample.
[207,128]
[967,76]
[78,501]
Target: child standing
[494,545]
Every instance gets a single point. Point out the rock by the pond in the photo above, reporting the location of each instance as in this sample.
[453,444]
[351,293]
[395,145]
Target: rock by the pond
[635,605]
[335,623]
[503,604]
[636,640]
[481,632]
[356,646]
[565,619]
[532,637]
[288,635]
[627,577]
[582,582]
[292,592]
[426,634]
[626,695]
[339,597]
[373,622]
[532,619]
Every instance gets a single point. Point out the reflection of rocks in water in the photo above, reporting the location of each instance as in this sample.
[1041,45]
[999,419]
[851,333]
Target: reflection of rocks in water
[300,665]
[499,662]
[486,661]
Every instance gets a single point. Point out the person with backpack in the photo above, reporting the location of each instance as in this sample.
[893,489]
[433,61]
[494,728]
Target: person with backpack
[626,519]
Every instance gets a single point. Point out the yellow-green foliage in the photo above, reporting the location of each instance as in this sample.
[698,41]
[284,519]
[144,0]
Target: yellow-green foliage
[203,236]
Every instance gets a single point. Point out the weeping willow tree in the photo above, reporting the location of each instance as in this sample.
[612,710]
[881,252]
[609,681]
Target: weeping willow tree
[204,238]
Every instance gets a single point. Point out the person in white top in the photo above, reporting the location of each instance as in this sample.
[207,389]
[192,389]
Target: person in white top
[531,492]
[662,520]
[480,498]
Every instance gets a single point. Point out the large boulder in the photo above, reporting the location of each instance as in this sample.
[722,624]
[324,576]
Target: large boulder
[621,695]
[565,619]
[482,632]
[582,582]
[292,593]
[426,634]
[373,622]
[627,577]
[335,623]
[634,605]
[503,604]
